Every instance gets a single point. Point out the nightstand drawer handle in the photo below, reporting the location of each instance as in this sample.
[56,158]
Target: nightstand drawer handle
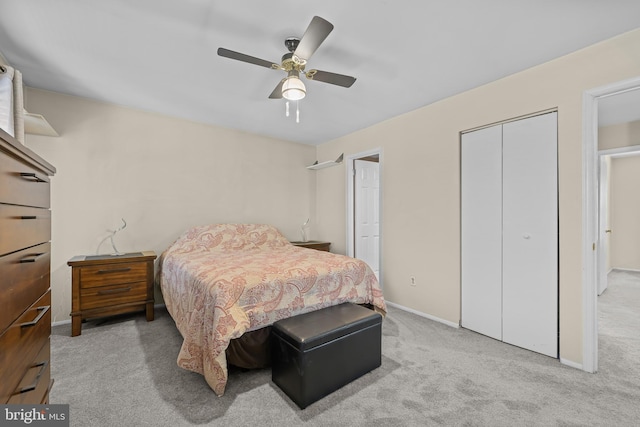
[32,177]
[114,291]
[34,322]
[32,258]
[32,386]
[115,270]
[28,217]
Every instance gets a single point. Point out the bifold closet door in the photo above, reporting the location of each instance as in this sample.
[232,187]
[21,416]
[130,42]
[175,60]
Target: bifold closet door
[481,228]
[530,234]
[509,228]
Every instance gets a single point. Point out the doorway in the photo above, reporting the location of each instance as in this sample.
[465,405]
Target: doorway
[590,212]
[364,208]
[605,158]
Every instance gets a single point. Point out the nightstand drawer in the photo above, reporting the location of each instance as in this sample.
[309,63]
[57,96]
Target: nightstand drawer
[112,274]
[22,227]
[106,296]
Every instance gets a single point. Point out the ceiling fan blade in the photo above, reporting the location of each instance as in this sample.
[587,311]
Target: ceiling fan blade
[246,58]
[331,78]
[277,92]
[316,32]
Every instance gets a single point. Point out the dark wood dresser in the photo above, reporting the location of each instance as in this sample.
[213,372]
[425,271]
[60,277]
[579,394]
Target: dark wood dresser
[25,262]
[106,285]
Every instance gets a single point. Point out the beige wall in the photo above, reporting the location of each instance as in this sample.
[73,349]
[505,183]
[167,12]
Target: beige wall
[620,135]
[421,185]
[162,175]
[625,212]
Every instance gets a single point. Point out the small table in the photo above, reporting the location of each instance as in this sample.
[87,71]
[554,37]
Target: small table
[314,244]
[106,285]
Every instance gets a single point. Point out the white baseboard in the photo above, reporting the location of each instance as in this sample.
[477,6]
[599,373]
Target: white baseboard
[571,363]
[421,314]
[61,322]
[625,269]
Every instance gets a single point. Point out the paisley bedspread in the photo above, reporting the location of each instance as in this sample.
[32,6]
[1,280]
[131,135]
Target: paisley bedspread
[220,281]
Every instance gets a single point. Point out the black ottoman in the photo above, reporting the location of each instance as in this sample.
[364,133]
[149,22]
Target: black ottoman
[316,353]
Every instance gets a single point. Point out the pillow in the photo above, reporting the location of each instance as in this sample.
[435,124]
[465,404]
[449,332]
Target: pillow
[226,237]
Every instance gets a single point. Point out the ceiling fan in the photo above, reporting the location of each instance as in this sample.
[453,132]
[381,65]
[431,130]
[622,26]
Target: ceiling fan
[293,63]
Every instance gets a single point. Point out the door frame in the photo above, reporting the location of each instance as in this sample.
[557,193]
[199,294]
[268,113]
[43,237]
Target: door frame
[590,237]
[349,170]
[603,220]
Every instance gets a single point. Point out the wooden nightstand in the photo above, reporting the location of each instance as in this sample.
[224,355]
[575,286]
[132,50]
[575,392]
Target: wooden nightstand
[106,285]
[314,244]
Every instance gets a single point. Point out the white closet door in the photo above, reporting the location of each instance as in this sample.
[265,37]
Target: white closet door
[481,218]
[530,234]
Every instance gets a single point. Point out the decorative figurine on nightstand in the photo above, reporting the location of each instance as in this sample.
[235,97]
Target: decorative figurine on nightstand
[303,230]
[110,237]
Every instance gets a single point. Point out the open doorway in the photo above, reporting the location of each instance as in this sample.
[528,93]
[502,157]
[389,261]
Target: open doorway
[619,176]
[619,254]
[592,243]
[364,205]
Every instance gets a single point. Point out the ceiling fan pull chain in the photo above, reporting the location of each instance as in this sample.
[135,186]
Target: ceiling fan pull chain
[297,112]
[286,108]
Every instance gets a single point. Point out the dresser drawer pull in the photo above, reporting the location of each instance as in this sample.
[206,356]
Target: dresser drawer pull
[32,258]
[34,322]
[115,270]
[32,177]
[32,386]
[114,291]
[28,217]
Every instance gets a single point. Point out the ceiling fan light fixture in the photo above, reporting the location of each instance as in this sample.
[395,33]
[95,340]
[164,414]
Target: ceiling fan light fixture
[293,89]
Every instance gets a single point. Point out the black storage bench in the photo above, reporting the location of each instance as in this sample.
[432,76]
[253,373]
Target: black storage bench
[316,353]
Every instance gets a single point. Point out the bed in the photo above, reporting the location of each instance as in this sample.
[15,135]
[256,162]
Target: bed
[224,282]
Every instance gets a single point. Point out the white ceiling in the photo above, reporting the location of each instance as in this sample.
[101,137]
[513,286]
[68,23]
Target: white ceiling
[160,55]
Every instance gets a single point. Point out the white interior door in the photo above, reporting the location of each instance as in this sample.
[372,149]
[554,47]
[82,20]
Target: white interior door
[530,234]
[481,222]
[367,213]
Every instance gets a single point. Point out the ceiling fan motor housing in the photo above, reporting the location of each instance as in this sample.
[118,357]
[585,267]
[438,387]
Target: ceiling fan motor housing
[291,43]
[292,62]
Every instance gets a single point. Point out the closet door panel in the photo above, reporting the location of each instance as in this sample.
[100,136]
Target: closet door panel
[481,222]
[530,234]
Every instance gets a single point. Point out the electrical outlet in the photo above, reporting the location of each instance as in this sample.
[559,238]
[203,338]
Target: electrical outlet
[413,281]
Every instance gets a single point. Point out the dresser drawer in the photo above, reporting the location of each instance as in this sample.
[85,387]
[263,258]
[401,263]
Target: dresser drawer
[25,277]
[21,343]
[21,184]
[35,383]
[112,274]
[22,227]
[111,295]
